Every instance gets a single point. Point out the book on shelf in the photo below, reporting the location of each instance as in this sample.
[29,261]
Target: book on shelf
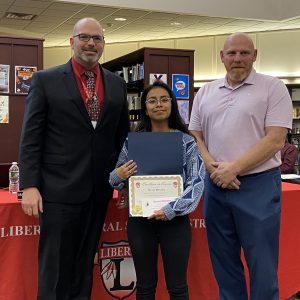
[134,115]
[295,128]
[134,101]
[141,71]
[295,142]
[296,112]
[295,94]
[133,73]
[125,74]
[133,125]
[134,107]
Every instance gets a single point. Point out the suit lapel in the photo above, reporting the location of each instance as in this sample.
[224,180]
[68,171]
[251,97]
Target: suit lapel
[73,90]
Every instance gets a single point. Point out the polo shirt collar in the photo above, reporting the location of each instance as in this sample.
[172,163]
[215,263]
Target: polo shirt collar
[249,80]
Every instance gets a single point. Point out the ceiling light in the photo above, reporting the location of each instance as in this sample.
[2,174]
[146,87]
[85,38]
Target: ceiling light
[175,24]
[19,16]
[120,19]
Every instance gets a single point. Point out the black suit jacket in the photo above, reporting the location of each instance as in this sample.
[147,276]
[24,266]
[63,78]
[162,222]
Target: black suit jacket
[60,152]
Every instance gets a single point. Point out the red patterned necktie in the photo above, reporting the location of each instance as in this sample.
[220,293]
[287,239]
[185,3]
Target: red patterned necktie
[92,101]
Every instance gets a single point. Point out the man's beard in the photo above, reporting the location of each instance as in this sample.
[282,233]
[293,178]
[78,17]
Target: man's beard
[238,75]
[89,59]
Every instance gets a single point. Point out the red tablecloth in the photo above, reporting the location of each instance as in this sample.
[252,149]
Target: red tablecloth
[114,276]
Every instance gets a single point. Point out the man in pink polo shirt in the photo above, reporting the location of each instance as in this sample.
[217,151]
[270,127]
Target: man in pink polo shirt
[240,123]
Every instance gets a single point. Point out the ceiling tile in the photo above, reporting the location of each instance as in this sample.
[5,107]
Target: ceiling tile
[115,23]
[56,20]
[189,19]
[102,10]
[161,16]
[3,7]
[240,22]
[151,22]
[294,21]
[49,19]
[219,21]
[57,13]
[67,6]
[204,26]
[80,15]
[16,26]
[25,10]
[66,27]
[7,2]
[43,26]
[130,13]
[31,3]
[14,23]
[37,29]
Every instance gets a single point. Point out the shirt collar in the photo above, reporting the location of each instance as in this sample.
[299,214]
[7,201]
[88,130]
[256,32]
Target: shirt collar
[249,80]
[81,69]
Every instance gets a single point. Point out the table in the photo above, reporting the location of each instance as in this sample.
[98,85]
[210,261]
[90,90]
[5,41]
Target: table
[18,250]
[114,276]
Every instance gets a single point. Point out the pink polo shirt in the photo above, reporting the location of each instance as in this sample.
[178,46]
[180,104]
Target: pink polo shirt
[232,120]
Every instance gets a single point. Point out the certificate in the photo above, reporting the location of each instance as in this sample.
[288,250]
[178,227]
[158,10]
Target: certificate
[150,193]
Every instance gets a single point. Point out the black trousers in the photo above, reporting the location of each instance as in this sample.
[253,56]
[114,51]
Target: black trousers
[174,239]
[69,238]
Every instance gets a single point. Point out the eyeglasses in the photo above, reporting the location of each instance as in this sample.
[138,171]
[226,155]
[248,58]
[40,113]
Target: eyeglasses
[162,100]
[86,37]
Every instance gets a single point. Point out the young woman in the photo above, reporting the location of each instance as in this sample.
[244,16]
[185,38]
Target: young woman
[168,227]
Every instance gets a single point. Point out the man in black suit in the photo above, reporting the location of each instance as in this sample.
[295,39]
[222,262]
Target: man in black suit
[74,126]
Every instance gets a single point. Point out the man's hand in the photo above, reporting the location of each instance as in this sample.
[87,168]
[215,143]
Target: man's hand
[32,202]
[221,174]
[210,167]
[224,176]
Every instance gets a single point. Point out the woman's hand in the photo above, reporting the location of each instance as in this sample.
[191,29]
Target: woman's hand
[158,215]
[127,170]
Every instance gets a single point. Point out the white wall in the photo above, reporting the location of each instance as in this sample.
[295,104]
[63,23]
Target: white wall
[54,56]
[278,53]
[112,51]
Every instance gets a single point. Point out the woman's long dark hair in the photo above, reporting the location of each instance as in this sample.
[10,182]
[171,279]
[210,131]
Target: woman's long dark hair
[175,120]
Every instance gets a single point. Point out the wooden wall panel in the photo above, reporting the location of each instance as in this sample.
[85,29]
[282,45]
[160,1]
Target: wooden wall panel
[16,52]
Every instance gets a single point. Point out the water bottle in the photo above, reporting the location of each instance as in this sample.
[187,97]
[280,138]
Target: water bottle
[14,178]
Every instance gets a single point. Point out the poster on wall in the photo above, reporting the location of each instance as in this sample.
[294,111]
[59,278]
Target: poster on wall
[23,75]
[4,78]
[183,107]
[4,110]
[154,77]
[180,85]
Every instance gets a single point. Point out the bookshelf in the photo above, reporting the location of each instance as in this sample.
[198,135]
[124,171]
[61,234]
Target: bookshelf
[294,136]
[137,67]
[294,91]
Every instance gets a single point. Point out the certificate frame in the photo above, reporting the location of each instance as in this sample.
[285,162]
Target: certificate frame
[161,188]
